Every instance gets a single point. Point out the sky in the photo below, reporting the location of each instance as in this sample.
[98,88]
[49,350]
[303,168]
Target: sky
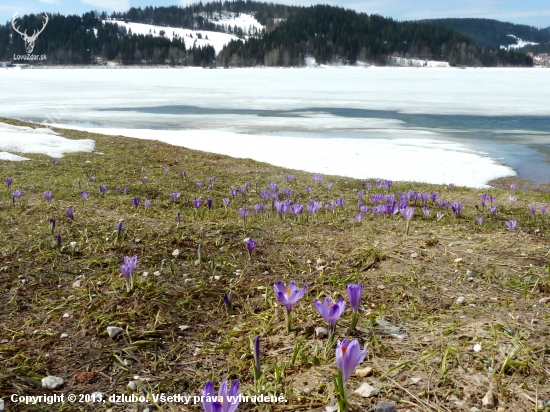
[532,12]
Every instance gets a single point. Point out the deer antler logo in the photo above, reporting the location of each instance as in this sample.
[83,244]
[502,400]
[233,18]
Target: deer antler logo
[29,40]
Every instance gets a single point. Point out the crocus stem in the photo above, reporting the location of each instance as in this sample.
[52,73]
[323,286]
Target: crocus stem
[407,229]
[341,392]
[287,317]
[354,317]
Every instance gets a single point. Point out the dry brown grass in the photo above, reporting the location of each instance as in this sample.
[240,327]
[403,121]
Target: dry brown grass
[500,311]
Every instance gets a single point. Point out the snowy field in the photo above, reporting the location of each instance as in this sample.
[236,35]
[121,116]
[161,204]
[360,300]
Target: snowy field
[246,113]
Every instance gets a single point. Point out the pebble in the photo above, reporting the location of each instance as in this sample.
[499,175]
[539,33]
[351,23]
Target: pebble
[137,240]
[77,284]
[416,380]
[366,391]
[544,404]
[64,335]
[176,253]
[386,407]
[460,300]
[414,255]
[184,327]
[477,347]
[364,372]
[114,331]
[4,341]
[321,332]
[52,382]
[132,385]
[457,260]
[156,273]
[545,300]
[469,273]
[489,400]
[381,287]
[145,274]
[197,350]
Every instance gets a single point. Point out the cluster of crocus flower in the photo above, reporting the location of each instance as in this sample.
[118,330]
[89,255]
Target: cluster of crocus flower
[331,311]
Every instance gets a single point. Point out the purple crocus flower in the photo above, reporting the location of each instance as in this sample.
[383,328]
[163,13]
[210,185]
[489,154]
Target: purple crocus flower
[119,229]
[125,190]
[144,180]
[330,311]
[250,245]
[178,217]
[70,213]
[457,208]
[543,209]
[233,193]
[426,212]
[533,209]
[493,210]
[102,188]
[58,240]
[9,181]
[143,170]
[174,196]
[146,204]
[136,202]
[358,217]
[289,177]
[209,203]
[274,187]
[18,194]
[48,196]
[513,199]
[364,210]
[288,296]
[228,302]
[355,294]
[165,169]
[226,202]
[513,188]
[183,175]
[328,186]
[407,213]
[287,192]
[128,269]
[197,203]
[94,179]
[479,220]
[199,185]
[511,224]
[257,365]
[84,195]
[348,357]
[308,189]
[318,178]
[259,208]
[451,186]
[360,194]
[117,188]
[229,398]
[243,212]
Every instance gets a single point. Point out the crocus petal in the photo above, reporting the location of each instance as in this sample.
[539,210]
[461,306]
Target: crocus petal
[208,392]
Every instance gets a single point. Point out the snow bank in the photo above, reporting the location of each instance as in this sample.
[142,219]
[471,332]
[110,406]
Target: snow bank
[43,141]
[412,159]
[244,21]
[520,43]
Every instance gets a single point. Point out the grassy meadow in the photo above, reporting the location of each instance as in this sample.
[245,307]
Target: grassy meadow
[429,297]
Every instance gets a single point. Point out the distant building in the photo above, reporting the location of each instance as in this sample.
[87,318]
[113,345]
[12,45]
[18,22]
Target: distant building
[531,54]
[5,64]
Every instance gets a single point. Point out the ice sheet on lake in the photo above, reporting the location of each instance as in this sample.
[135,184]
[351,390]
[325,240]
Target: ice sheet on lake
[411,159]
[40,140]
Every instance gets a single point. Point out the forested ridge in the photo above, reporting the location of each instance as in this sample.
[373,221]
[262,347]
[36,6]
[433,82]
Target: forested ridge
[82,39]
[329,34]
[493,33]
[333,34]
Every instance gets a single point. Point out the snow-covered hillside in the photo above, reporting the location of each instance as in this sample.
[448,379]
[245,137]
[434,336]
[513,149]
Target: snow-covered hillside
[520,43]
[246,22]
[201,38]
[213,38]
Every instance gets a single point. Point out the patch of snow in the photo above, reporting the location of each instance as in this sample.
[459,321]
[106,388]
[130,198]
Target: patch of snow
[12,157]
[44,141]
[244,21]
[395,159]
[402,62]
[520,43]
[190,37]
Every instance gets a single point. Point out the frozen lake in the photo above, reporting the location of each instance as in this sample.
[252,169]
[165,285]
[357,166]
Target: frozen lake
[435,125]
